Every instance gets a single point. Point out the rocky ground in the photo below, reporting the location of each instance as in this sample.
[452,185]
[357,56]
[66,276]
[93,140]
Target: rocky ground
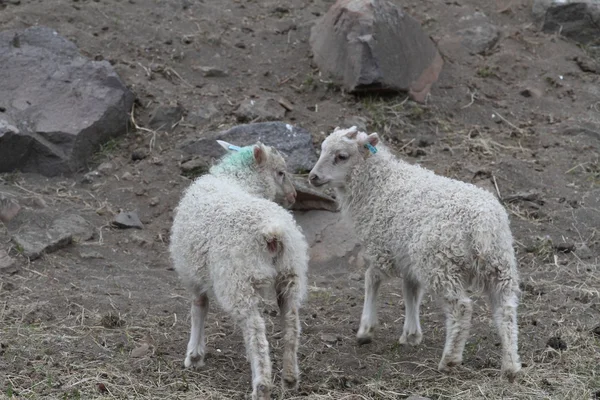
[108,317]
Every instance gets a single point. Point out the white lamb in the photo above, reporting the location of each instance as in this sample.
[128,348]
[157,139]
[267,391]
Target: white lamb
[230,241]
[437,233]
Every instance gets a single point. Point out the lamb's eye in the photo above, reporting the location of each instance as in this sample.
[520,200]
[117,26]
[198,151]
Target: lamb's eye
[281,173]
[341,157]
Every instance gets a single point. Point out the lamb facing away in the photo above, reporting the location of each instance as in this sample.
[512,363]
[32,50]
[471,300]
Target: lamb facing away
[230,241]
[437,233]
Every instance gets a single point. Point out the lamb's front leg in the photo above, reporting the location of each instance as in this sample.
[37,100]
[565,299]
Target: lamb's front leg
[368,320]
[288,301]
[257,349]
[413,294]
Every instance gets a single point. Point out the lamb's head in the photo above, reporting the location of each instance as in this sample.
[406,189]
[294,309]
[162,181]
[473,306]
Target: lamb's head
[341,152]
[263,167]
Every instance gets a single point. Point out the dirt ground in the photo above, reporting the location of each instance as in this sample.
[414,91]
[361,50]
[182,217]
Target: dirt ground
[108,318]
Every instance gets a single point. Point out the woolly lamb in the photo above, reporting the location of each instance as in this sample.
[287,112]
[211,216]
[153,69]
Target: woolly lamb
[437,233]
[230,241]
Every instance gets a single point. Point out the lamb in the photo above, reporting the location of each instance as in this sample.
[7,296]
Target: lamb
[437,233]
[230,241]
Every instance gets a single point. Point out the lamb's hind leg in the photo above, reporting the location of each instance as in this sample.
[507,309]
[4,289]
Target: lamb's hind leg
[195,349]
[257,349]
[459,310]
[503,302]
[287,299]
[368,320]
[413,294]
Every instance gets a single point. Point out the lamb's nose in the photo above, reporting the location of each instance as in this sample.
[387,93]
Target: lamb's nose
[312,177]
[291,198]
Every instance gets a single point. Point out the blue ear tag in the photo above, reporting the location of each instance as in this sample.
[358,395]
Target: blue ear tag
[371,148]
[234,148]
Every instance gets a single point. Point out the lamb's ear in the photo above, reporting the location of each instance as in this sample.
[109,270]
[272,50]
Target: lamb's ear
[228,146]
[373,139]
[352,132]
[260,153]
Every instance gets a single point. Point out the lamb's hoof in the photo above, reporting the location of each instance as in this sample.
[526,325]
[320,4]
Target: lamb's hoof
[413,339]
[261,392]
[194,361]
[364,340]
[290,382]
[447,366]
[511,372]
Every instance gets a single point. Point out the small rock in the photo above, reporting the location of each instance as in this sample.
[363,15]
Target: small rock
[479,35]
[531,92]
[195,167]
[586,64]
[105,168]
[557,343]
[202,115]
[7,263]
[212,72]
[90,255]
[166,117]
[330,339]
[262,109]
[90,177]
[565,247]
[154,201]
[373,46]
[140,351]
[285,103]
[355,120]
[357,276]
[140,240]
[139,154]
[127,176]
[34,202]
[8,209]
[128,220]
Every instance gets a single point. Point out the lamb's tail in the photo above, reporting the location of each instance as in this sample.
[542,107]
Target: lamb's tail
[273,234]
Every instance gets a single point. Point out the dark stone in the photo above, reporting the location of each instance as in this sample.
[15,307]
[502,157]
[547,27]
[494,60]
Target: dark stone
[557,343]
[202,115]
[59,110]
[128,220]
[293,142]
[579,21]
[373,46]
[8,209]
[165,118]
[7,264]
[139,154]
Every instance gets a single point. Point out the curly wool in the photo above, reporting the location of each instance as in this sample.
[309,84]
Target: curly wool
[219,230]
[230,241]
[427,220]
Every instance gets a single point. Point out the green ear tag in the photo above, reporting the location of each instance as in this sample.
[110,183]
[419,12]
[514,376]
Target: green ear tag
[371,148]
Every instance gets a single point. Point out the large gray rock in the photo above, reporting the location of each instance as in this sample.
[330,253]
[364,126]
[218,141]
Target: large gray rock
[43,235]
[371,45]
[59,106]
[577,20]
[294,142]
